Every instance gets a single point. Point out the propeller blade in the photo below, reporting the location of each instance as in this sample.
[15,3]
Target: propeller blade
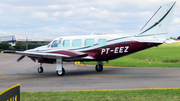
[20,58]
[33,59]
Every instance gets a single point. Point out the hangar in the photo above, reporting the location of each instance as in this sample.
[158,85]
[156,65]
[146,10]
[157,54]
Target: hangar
[13,39]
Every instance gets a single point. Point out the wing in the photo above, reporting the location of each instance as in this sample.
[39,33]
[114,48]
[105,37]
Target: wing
[50,55]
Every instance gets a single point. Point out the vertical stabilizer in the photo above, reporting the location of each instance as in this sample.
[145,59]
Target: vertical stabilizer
[158,25]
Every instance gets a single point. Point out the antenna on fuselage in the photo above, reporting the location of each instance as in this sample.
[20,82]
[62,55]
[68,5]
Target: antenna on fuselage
[92,32]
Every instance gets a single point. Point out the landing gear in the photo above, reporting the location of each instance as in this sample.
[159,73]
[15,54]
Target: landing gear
[59,68]
[61,73]
[40,69]
[99,66]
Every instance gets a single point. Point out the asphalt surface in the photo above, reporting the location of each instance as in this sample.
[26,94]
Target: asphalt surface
[82,77]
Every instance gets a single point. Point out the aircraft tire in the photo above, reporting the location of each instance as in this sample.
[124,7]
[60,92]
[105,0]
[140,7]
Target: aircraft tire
[40,70]
[61,73]
[99,68]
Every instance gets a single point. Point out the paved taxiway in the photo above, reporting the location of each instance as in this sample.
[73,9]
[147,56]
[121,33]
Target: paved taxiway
[82,77]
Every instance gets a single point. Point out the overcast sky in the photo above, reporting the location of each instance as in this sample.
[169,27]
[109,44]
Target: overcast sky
[79,17]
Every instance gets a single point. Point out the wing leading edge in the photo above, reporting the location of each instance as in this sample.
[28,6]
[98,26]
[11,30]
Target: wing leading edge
[52,55]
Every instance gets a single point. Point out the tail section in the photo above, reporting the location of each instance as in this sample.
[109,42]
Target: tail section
[158,25]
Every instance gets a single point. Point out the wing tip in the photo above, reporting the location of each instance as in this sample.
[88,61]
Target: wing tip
[9,51]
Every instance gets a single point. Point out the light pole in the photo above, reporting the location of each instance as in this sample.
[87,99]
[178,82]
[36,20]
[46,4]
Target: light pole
[26,42]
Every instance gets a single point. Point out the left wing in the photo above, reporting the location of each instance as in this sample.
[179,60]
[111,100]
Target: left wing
[52,55]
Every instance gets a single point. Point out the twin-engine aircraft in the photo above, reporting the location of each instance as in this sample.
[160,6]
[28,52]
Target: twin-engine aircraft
[101,47]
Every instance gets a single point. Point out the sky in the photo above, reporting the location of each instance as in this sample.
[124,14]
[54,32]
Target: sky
[80,17]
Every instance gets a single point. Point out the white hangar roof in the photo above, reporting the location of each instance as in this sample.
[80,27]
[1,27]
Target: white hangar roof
[34,38]
[20,38]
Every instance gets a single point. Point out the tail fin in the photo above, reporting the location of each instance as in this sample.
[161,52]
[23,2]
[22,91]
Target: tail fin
[158,25]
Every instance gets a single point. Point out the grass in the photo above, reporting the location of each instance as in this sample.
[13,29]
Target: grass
[120,95]
[131,62]
[166,55]
[162,53]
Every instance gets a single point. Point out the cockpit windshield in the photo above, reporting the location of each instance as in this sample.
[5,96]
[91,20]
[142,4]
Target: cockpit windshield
[55,43]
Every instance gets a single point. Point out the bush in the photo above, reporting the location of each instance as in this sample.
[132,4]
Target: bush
[11,48]
[1,50]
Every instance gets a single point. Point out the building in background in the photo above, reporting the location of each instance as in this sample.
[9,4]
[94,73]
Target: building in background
[13,39]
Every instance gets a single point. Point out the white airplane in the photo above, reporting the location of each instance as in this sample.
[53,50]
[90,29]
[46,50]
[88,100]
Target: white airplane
[101,47]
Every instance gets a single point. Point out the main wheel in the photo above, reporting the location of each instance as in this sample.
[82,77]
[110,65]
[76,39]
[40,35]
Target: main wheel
[99,68]
[61,73]
[40,69]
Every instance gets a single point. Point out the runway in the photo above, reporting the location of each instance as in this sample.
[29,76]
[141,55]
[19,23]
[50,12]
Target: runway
[82,77]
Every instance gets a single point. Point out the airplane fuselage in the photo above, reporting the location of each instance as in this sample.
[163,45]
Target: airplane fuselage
[98,47]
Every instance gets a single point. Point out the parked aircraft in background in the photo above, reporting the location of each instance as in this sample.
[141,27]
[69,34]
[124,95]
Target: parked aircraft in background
[102,47]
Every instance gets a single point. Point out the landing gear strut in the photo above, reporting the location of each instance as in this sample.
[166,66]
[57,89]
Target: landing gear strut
[99,66]
[59,68]
[40,69]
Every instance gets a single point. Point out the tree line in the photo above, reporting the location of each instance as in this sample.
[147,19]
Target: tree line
[178,38]
[20,46]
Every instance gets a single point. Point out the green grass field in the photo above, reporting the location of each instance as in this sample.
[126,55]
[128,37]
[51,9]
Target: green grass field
[166,55]
[120,95]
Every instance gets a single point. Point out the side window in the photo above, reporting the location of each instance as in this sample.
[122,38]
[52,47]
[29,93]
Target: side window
[89,42]
[102,42]
[66,43]
[76,43]
[59,45]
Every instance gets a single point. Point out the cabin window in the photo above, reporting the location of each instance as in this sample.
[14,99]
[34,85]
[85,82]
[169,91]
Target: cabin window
[55,43]
[102,42]
[76,43]
[89,42]
[66,43]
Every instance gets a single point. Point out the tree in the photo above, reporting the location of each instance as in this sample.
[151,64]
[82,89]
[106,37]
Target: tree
[20,46]
[173,38]
[178,38]
[4,46]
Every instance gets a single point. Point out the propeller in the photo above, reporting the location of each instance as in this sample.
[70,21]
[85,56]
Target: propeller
[33,59]
[20,58]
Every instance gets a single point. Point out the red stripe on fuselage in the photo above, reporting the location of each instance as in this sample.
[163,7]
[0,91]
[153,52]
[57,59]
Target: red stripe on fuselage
[118,50]
[71,54]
